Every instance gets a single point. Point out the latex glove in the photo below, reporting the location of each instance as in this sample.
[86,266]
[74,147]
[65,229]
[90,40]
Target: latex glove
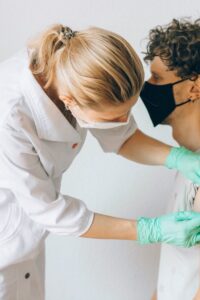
[180,229]
[186,161]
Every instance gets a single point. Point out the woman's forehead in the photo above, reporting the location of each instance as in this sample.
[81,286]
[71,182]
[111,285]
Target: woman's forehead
[112,110]
[109,108]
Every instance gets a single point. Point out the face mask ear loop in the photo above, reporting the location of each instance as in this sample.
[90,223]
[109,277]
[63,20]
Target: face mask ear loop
[180,81]
[189,100]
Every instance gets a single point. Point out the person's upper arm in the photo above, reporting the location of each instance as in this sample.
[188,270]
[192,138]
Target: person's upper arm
[23,174]
[111,140]
[197,200]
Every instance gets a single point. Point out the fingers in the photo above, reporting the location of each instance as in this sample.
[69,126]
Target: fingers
[192,217]
[197,238]
[186,215]
[195,223]
[197,176]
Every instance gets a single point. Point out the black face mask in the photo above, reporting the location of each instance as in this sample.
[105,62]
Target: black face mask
[159,100]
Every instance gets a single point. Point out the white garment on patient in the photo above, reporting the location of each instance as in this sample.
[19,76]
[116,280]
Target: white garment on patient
[179,270]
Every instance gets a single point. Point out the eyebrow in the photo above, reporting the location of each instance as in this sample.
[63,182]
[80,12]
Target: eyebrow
[117,117]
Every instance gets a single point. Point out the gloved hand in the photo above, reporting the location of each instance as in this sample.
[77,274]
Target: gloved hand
[180,229]
[186,161]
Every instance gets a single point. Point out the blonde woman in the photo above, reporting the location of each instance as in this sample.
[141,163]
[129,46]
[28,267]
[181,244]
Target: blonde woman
[63,84]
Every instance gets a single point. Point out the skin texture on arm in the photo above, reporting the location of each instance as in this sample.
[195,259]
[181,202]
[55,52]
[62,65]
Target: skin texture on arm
[197,296]
[197,201]
[154,296]
[144,150]
[108,227]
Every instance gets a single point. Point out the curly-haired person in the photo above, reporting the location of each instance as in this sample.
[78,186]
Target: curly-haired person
[171,97]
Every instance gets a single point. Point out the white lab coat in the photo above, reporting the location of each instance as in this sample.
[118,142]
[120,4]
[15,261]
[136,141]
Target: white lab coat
[37,145]
[179,269]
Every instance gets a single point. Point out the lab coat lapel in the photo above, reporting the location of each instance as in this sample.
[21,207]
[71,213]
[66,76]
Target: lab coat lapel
[50,122]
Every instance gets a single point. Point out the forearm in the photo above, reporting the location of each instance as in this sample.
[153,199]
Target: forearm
[108,227]
[143,149]
[180,229]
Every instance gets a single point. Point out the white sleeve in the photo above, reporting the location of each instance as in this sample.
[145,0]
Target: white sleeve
[112,139]
[23,174]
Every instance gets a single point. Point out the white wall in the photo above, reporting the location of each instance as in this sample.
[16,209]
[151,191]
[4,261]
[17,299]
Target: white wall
[97,269]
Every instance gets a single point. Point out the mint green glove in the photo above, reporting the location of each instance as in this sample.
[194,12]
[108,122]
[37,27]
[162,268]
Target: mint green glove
[180,229]
[186,161]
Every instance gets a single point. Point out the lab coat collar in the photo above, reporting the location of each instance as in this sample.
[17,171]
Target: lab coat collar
[49,121]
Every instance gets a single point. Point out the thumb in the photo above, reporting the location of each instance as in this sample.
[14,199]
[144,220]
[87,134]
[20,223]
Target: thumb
[197,238]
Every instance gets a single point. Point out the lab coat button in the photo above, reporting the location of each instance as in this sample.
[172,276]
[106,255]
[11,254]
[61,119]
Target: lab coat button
[74,145]
[27,275]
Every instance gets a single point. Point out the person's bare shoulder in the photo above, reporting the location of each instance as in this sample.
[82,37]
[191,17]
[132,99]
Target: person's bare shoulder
[197,201]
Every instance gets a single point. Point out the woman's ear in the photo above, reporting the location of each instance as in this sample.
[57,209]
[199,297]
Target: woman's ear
[195,90]
[68,100]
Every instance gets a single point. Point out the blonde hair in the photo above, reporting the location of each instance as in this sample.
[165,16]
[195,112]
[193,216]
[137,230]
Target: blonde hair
[95,65]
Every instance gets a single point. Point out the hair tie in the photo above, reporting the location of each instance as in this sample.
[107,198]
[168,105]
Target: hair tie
[67,32]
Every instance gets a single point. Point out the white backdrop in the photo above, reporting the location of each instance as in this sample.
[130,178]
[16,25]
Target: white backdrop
[78,268]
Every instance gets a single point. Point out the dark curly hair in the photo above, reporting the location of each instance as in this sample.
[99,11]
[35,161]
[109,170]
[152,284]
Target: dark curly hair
[178,46]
